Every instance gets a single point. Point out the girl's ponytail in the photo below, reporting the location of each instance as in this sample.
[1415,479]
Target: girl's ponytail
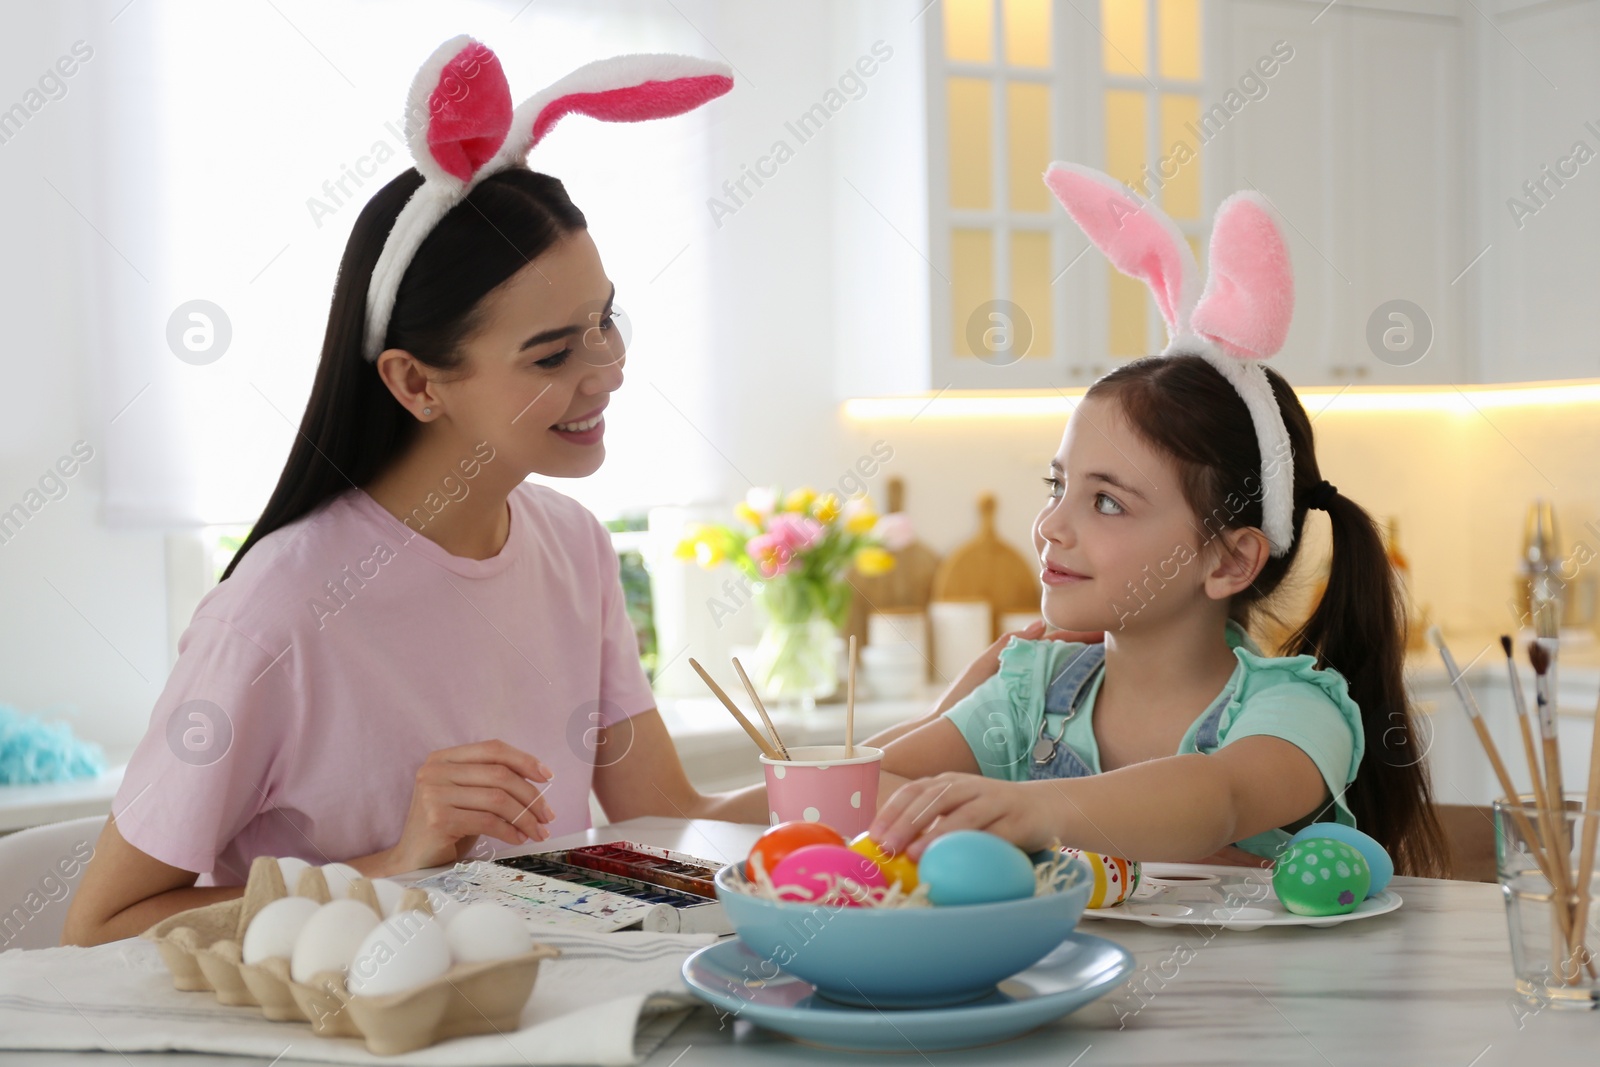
[1358,629]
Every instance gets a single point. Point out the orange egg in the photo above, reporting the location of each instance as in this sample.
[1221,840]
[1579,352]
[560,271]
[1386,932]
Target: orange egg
[899,868]
[780,840]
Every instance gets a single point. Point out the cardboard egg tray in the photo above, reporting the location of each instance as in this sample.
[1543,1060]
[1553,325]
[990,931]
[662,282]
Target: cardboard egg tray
[202,948]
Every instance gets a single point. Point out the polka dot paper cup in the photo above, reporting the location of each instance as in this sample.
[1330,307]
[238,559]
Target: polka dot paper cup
[820,785]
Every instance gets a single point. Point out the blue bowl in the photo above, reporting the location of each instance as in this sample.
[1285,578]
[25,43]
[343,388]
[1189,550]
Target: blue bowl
[902,957]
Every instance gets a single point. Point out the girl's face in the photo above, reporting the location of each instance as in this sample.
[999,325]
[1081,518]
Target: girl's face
[1119,546]
[542,365]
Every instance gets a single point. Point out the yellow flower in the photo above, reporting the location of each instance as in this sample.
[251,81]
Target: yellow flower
[826,509]
[687,548]
[799,499]
[874,561]
[709,553]
[861,520]
[747,514]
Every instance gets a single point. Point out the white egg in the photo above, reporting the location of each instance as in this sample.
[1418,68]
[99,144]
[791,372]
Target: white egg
[388,895]
[445,907]
[402,952]
[274,929]
[329,939]
[290,867]
[339,876]
[487,932]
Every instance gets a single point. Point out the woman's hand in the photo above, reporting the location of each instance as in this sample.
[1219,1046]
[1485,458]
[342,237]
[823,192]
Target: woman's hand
[987,665]
[921,810]
[482,789]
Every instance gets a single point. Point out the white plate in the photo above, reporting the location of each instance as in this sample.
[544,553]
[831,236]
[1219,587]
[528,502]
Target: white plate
[1230,898]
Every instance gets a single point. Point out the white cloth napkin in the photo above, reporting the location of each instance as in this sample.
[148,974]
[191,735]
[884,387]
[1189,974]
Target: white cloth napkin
[609,999]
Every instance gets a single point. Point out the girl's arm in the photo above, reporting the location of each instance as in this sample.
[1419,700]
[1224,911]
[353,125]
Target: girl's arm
[978,671]
[1177,809]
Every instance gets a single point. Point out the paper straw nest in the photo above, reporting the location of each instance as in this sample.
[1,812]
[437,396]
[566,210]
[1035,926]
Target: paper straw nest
[1052,876]
[202,949]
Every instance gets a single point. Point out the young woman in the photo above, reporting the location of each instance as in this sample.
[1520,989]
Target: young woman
[416,650]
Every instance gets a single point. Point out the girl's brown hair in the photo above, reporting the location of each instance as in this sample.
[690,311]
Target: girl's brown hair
[1185,407]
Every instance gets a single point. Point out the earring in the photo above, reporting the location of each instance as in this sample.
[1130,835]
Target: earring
[427,411]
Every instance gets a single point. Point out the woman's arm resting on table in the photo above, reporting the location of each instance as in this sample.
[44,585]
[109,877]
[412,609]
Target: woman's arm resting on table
[125,891]
[1178,809]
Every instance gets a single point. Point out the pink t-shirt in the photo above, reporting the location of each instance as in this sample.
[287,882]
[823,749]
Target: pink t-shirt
[345,648]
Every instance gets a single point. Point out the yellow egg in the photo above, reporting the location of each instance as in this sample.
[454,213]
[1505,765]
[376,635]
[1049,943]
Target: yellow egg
[899,868]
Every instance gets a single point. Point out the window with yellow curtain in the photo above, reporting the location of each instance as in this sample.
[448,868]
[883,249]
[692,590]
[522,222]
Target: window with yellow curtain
[1000,95]
[1150,58]
[998,100]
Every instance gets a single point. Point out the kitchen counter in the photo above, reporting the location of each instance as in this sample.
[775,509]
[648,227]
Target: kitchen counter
[1427,984]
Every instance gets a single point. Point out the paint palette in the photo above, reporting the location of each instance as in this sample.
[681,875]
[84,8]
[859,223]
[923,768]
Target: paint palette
[548,890]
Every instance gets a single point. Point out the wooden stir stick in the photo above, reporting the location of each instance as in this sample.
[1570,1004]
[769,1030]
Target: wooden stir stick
[761,709]
[850,704]
[755,735]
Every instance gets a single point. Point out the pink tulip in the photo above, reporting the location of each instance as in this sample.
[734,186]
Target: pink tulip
[776,551]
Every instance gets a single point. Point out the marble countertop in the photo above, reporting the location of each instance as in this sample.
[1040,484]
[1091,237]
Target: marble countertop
[1427,984]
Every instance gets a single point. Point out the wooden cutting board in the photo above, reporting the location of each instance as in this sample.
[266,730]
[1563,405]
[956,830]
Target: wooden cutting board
[986,568]
[908,587]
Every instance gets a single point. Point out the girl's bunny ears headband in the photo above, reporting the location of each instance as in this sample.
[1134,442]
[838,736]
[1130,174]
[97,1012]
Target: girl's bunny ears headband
[461,128]
[1239,319]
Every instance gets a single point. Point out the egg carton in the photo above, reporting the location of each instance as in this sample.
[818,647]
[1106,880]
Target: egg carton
[202,949]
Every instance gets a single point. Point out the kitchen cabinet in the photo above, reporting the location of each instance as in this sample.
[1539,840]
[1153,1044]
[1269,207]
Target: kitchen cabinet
[1392,140]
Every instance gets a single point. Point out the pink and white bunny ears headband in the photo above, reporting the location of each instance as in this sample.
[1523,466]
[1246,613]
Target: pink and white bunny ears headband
[461,128]
[1240,318]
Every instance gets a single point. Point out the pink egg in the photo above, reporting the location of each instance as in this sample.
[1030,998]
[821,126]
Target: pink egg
[807,873]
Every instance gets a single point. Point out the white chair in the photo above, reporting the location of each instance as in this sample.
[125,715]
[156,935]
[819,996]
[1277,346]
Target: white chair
[39,870]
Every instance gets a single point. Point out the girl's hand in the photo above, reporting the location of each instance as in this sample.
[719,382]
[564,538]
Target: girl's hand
[921,810]
[987,664]
[486,788]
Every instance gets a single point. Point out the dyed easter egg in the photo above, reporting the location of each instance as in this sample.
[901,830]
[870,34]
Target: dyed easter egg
[780,840]
[975,867]
[1377,857]
[808,873]
[1321,876]
[1115,878]
[897,868]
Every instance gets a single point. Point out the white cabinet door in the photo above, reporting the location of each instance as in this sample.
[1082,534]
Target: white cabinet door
[1541,166]
[1357,143]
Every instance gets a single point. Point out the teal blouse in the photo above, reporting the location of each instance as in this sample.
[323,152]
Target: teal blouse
[1279,696]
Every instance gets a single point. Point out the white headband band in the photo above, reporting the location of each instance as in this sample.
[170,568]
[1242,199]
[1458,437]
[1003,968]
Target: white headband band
[461,128]
[1240,319]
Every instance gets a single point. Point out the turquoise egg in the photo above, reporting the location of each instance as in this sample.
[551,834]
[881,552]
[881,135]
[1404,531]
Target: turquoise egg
[974,867]
[1377,857]
[1321,876]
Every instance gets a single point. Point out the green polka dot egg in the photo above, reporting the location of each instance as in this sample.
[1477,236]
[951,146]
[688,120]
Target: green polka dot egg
[1321,876]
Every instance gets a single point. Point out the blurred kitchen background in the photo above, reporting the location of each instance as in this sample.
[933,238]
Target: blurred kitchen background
[848,258]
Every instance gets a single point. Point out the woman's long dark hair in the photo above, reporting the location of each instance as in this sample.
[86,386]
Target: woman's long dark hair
[1185,407]
[353,426]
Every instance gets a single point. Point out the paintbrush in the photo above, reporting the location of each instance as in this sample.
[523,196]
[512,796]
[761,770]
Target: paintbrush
[1577,941]
[850,704]
[1469,704]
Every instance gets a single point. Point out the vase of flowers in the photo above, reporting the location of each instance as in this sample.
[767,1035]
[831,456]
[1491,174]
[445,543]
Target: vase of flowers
[796,549]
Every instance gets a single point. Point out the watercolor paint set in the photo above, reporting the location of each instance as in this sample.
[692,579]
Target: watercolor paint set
[616,886]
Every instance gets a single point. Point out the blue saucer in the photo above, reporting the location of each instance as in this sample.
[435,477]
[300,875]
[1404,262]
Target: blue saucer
[731,976]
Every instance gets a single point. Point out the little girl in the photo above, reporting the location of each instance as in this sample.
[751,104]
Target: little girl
[415,649]
[1176,506]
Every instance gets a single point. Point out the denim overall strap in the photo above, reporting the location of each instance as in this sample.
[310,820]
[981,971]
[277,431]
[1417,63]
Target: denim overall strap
[1205,737]
[1065,696]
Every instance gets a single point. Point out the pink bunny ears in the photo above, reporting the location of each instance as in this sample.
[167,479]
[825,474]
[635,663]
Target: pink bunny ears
[461,128]
[1239,319]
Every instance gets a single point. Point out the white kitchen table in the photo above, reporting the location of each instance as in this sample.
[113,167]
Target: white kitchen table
[1427,984]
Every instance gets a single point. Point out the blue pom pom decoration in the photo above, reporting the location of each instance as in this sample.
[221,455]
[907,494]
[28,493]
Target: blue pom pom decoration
[34,751]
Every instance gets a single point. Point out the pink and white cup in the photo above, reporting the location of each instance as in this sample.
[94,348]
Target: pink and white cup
[820,785]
